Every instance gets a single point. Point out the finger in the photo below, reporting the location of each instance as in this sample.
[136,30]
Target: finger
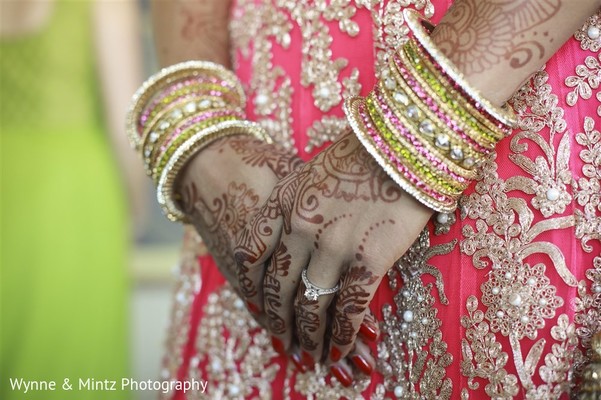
[370,328]
[312,313]
[280,286]
[342,372]
[361,357]
[254,246]
[358,287]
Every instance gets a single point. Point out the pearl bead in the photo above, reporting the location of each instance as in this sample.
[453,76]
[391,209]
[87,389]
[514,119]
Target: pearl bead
[542,302]
[324,92]
[420,298]
[496,290]
[404,326]
[408,316]
[216,365]
[531,281]
[515,299]
[442,218]
[426,127]
[552,194]
[261,99]
[205,103]
[413,334]
[593,32]
[147,152]
[164,125]
[234,390]
[469,162]
[456,153]
[508,275]
[190,108]
[442,141]
[153,137]
[413,112]
[389,83]
[406,293]
[500,314]
[425,321]
[385,73]
[401,97]
[176,114]
[286,40]
[524,319]
[399,391]
[597,288]
[239,304]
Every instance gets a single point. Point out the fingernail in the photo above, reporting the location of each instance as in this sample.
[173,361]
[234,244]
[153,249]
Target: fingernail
[298,362]
[368,332]
[308,359]
[335,354]
[252,308]
[362,364]
[340,374]
[278,345]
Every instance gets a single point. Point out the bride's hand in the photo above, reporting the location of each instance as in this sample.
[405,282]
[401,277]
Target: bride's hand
[346,222]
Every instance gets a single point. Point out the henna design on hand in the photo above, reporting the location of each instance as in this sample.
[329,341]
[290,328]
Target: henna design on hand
[218,221]
[476,35]
[278,268]
[255,153]
[307,319]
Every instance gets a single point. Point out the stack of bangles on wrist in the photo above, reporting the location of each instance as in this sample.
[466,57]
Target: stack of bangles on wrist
[425,125]
[178,112]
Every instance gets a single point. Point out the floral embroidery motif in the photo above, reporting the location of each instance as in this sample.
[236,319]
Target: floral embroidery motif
[413,326]
[504,220]
[588,188]
[588,77]
[589,35]
[254,27]
[237,354]
[186,287]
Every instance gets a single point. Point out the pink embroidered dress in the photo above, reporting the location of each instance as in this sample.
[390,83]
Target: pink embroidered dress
[498,299]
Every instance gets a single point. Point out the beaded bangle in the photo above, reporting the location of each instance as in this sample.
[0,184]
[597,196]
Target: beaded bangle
[504,115]
[180,111]
[425,125]
[184,152]
[171,76]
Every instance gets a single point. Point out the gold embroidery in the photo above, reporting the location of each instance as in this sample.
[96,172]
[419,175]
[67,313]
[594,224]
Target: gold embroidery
[409,371]
[589,35]
[186,287]
[588,188]
[237,353]
[254,27]
[483,356]
[586,79]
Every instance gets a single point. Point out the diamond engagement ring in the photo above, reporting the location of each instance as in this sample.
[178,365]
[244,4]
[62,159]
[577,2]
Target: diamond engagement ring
[312,292]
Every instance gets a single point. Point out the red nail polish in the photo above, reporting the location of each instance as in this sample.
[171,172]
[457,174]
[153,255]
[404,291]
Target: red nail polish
[252,308]
[342,376]
[368,332]
[335,354]
[362,364]
[298,362]
[278,345]
[308,360]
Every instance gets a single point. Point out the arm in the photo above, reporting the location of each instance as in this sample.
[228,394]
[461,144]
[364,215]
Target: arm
[115,34]
[345,221]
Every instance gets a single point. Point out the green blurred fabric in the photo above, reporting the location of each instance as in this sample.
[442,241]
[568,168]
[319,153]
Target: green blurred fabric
[63,277]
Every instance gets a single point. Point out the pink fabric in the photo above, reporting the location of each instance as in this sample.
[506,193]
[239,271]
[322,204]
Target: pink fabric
[461,279]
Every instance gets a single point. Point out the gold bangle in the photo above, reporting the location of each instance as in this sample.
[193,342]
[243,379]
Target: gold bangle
[185,152]
[414,20]
[170,75]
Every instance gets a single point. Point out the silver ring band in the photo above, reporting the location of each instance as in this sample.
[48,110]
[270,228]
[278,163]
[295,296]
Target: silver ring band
[312,292]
